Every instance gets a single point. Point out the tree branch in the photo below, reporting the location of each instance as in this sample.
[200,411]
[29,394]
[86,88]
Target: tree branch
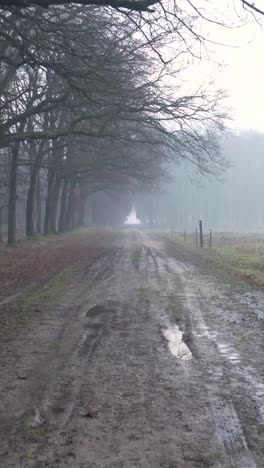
[135,5]
[252,7]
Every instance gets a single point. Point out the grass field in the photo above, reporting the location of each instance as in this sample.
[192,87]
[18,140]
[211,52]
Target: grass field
[242,254]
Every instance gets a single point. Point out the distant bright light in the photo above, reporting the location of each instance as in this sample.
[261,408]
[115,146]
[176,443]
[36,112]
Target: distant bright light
[132,218]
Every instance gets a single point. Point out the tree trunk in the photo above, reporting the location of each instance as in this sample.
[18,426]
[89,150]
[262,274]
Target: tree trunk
[32,213]
[55,202]
[81,220]
[69,216]
[38,207]
[63,204]
[49,199]
[12,197]
[30,224]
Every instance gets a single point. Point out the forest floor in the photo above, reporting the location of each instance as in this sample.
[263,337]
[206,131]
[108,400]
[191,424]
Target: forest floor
[127,350]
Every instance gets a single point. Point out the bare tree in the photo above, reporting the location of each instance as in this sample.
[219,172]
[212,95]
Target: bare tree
[77,75]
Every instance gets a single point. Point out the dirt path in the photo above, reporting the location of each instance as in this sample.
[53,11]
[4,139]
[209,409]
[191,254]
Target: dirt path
[144,362]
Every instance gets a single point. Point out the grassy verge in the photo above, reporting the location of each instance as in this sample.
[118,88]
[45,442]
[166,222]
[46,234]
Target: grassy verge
[52,290]
[35,272]
[19,313]
[242,258]
[104,233]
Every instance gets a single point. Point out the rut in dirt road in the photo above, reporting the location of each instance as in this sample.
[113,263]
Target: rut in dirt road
[143,363]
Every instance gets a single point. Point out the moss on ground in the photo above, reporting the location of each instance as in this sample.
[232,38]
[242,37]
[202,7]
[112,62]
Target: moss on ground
[48,262]
[13,315]
[52,290]
[35,434]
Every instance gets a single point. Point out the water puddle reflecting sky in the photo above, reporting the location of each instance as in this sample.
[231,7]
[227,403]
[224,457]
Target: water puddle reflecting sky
[176,344]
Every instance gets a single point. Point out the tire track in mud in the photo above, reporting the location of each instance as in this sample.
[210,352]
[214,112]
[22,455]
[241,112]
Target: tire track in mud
[58,377]
[92,322]
[243,385]
[111,392]
[228,426]
[51,367]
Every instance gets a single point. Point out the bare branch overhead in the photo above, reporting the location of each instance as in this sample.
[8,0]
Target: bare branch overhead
[135,5]
[252,6]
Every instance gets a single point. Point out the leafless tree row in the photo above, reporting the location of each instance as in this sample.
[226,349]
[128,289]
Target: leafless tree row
[88,102]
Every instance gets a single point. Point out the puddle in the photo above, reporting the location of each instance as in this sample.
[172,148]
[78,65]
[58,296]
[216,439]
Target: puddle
[205,333]
[176,345]
[229,353]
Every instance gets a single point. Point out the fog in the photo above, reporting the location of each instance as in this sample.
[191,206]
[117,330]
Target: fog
[132,218]
[233,204]
[115,147]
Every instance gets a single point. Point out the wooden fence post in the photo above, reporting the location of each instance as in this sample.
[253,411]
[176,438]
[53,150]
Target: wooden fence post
[210,240]
[201,232]
[196,237]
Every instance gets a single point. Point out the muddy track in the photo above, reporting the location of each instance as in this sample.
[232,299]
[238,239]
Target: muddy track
[144,362]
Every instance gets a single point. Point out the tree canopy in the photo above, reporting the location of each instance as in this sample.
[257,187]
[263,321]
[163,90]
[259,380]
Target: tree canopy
[93,99]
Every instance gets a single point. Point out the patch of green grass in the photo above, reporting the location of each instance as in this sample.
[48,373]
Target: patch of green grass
[149,291]
[245,261]
[31,453]
[8,323]
[19,313]
[13,316]
[36,434]
[55,376]
[52,290]
[33,437]
[216,458]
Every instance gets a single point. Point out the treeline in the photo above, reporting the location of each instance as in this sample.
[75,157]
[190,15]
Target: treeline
[232,203]
[87,105]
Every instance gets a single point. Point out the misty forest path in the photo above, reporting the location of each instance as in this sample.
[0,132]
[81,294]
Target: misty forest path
[143,362]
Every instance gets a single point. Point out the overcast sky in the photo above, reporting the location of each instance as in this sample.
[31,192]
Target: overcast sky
[243,74]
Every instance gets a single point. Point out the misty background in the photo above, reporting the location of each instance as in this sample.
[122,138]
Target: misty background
[233,204]
[149,141]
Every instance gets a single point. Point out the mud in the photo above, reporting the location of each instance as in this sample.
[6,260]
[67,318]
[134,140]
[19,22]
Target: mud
[145,361]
